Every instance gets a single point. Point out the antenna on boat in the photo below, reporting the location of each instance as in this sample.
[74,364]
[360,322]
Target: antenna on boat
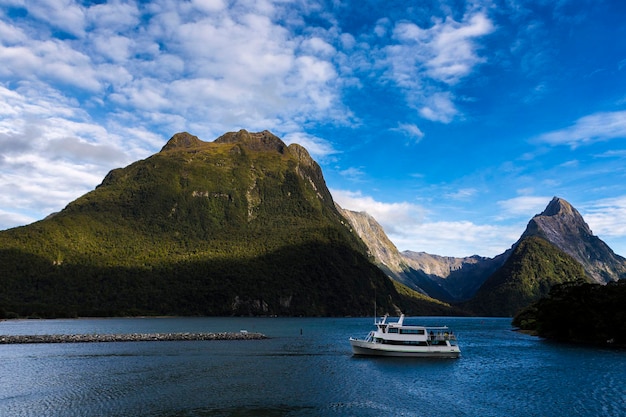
[374,306]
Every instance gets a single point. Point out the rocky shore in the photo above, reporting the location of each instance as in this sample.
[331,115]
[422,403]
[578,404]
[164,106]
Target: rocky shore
[130,337]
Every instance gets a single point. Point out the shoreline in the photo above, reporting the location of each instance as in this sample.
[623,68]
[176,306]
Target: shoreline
[128,337]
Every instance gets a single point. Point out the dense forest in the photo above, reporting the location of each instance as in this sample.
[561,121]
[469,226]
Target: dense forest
[534,266]
[587,313]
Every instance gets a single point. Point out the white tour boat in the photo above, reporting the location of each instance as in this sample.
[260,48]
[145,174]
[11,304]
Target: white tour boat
[398,339]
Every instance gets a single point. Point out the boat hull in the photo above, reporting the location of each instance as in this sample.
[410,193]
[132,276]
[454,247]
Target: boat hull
[364,348]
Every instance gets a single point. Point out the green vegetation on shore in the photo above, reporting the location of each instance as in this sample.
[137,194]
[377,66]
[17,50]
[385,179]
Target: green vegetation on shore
[587,313]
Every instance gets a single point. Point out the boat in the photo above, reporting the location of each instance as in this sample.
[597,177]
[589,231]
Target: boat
[399,339]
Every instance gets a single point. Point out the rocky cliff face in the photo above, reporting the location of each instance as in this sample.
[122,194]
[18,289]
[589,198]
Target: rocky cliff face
[445,278]
[564,227]
[378,244]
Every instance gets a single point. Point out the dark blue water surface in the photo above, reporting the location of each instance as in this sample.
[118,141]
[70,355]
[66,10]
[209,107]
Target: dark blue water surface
[305,369]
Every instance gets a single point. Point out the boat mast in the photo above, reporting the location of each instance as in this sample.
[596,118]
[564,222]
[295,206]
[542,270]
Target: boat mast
[375,306]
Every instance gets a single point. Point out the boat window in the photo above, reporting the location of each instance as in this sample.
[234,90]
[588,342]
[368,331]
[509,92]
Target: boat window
[412,331]
[392,330]
[405,342]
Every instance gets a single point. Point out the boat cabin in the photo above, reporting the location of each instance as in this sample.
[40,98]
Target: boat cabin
[400,334]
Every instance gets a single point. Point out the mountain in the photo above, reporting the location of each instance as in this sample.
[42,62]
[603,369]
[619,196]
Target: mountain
[380,248]
[387,257]
[532,269]
[444,278]
[556,247]
[564,227]
[241,225]
[456,279]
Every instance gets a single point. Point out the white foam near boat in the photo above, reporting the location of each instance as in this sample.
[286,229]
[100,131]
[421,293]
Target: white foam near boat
[398,339]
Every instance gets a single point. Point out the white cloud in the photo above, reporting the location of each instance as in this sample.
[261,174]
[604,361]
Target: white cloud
[74,107]
[62,14]
[607,217]
[115,48]
[382,26]
[50,59]
[439,108]
[352,173]
[595,127]
[51,152]
[390,215]
[209,5]
[444,52]
[457,238]
[11,218]
[462,194]
[453,52]
[114,17]
[411,227]
[318,46]
[318,148]
[426,62]
[411,131]
[524,206]
[607,220]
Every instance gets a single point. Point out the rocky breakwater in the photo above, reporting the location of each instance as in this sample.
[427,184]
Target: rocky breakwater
[129,337]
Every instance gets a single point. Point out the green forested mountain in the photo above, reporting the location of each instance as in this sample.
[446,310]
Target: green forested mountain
[533,267]
[241,225]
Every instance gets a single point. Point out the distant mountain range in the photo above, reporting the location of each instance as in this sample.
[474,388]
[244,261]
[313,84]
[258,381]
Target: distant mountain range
[245,225]
[557,246]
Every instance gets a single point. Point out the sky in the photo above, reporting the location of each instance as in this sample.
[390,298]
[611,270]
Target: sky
[452,123]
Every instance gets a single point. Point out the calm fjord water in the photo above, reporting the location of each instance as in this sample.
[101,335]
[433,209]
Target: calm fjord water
[305,369]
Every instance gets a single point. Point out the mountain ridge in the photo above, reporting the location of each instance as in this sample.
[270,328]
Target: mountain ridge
[481,284]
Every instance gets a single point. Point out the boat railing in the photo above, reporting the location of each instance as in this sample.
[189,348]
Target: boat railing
[442,336]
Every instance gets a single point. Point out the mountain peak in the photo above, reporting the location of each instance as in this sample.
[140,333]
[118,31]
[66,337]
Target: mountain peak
[182,140]
[558,206]
[559,219]
[563,226]
[259,141]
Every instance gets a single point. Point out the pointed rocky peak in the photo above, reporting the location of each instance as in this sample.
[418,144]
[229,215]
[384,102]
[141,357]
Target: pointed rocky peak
[182,140]
[259,141]
[563,226]
[558,221]
[560,207]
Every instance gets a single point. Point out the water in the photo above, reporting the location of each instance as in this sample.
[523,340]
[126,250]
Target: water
[305,369]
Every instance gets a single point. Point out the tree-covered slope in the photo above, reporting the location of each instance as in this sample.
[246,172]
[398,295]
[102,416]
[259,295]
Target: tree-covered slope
[587,313]
[534,266]
[241,225]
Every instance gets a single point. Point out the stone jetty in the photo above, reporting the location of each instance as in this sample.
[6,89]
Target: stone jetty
[130,337]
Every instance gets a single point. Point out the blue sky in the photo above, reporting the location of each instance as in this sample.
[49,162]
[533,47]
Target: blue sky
[451,122]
